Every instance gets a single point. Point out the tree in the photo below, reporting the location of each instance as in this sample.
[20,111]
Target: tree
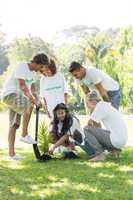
[4,62]
[23,49]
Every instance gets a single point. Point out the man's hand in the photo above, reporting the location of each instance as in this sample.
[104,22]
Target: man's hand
[93,123]
[38,102]
[102,92]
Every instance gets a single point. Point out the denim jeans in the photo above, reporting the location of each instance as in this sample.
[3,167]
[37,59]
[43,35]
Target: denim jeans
[115,98]
[86,148]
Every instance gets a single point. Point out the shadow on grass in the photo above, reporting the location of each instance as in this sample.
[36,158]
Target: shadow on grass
[67,180]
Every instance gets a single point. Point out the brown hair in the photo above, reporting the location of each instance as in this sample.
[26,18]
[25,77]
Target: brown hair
[52,66]
[40,59]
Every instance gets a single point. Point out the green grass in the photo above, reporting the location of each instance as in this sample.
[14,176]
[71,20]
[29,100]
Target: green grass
[64,180]
[67,179]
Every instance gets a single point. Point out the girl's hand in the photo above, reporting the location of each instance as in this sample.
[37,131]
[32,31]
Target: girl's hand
[51,149]
[49,115]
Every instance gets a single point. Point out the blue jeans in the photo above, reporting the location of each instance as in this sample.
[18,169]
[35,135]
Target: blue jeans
[86,148]
[115,98]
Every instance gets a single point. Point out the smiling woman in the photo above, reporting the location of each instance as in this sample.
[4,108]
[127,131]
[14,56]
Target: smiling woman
[53,88]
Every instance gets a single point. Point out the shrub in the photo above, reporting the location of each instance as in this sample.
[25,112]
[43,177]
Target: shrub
[44,138]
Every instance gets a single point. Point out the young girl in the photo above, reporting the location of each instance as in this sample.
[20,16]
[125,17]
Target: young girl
[66,130]
[53,88]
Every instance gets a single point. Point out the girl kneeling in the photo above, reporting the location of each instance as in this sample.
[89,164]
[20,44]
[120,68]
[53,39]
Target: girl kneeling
[66,130]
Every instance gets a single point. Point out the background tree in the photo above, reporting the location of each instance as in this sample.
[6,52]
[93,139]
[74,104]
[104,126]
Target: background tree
[4,62]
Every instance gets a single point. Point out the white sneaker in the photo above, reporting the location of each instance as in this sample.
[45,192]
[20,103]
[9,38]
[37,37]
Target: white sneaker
[28,139]
[15,157]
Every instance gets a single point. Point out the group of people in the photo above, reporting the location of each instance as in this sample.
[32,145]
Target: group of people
[102,94]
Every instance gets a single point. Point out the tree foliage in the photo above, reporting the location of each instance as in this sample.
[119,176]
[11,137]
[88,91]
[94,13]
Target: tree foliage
[109,50]
[4,62]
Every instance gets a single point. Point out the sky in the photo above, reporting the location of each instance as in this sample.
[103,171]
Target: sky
[44,17]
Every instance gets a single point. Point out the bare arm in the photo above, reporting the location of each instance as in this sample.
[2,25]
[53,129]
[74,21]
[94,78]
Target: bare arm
[25,90]
[85,89]
[61,140]
[46,107]
[33,90]
[58,143]
[102,92]
[66,98]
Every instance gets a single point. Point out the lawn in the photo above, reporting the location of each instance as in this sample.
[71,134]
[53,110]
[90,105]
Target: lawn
[61,179]
[67,180]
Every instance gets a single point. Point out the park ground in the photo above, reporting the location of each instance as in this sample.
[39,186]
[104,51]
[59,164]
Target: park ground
[61,179]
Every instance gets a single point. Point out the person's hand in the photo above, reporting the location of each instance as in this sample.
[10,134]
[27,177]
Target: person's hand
[32,100]
[51,149]
[48,113]
[35,101]
[38,102]
[90,123]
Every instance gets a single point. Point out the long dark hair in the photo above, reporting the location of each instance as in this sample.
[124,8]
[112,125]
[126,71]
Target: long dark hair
[67,122]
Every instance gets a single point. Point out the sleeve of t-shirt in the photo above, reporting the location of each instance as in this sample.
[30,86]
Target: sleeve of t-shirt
[20,72]
[41,88]
[65,85]
[99,112]
[95,76]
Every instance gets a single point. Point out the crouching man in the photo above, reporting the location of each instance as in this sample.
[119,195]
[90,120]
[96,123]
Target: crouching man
[114,137]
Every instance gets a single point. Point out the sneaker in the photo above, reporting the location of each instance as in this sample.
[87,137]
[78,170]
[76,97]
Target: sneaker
[15,157]
[28,139]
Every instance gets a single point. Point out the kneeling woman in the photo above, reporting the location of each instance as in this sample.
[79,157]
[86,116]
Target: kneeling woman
[66,130]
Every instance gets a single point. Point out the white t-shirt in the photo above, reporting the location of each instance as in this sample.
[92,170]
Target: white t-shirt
[53,89]
[95,76]
[113,121]
[21,71]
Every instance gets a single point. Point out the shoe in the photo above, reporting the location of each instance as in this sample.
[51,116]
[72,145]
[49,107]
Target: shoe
[70,155]
[99,157]
[15,157]
[28,139]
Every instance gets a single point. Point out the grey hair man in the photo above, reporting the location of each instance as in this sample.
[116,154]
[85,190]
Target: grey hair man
[114,137]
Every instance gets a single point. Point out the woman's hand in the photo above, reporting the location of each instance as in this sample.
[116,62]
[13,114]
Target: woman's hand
[51,149]
[48,113]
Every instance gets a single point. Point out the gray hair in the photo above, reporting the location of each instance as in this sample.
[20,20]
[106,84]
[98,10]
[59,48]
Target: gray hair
[93,96]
